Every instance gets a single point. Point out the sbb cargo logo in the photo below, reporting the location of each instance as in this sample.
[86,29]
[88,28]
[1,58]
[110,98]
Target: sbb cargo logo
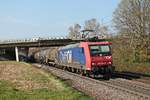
[67,56]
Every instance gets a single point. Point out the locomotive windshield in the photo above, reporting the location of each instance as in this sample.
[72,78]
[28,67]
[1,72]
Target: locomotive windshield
[100,50]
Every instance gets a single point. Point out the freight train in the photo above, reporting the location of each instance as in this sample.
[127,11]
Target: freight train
[86,58]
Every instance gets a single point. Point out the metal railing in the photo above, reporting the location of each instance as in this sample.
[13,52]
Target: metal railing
[32,39]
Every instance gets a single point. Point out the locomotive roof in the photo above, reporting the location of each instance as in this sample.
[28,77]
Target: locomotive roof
[78,44]
[70,46]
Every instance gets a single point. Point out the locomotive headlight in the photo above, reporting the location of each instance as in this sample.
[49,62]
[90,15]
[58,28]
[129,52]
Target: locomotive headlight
[109,62]
[93,63]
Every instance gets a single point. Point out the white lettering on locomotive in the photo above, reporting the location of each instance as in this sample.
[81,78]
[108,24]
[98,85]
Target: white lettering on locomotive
[67,56]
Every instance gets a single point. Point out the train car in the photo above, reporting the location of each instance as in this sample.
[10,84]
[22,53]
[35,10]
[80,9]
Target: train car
[91,58]
[45,55]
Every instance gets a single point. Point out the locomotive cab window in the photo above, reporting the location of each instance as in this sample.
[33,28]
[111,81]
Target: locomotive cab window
[99,49]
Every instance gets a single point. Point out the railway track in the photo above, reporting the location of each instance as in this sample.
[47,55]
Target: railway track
[113,89]
[143,80]
[134,86]
[125,75]
[138,77]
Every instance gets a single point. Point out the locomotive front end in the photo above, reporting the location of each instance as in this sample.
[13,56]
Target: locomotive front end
[100,55]
[101,58]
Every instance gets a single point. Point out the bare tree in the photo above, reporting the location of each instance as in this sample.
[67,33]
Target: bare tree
[74,31]
[91,24]
[132,20]
[100,30]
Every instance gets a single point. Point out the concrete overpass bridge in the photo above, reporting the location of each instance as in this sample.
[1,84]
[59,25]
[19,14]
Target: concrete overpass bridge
[22,46]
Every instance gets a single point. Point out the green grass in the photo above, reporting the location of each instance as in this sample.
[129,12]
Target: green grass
[9,92]
[25,82]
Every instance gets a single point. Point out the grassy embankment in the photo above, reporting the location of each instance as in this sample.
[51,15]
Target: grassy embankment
[125,58]
[21,81]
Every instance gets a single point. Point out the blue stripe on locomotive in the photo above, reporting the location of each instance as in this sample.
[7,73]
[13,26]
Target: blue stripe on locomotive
[72,56]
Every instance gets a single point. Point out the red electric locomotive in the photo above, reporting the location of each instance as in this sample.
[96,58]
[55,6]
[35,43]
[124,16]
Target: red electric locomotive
[93,58]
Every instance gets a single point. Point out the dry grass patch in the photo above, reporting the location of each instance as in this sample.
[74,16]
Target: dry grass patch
[22,81]
[27,77]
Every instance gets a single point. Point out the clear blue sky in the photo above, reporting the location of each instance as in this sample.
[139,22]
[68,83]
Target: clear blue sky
[44,18]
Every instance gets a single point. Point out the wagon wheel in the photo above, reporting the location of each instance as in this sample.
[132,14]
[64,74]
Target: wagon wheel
[106,76]
[87,73]
[74,70]
[82,72]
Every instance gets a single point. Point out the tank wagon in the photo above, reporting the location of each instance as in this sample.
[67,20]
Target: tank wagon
[88,58]
[46,55]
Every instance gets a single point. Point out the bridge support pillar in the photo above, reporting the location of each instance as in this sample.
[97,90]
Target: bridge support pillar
[17,54]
